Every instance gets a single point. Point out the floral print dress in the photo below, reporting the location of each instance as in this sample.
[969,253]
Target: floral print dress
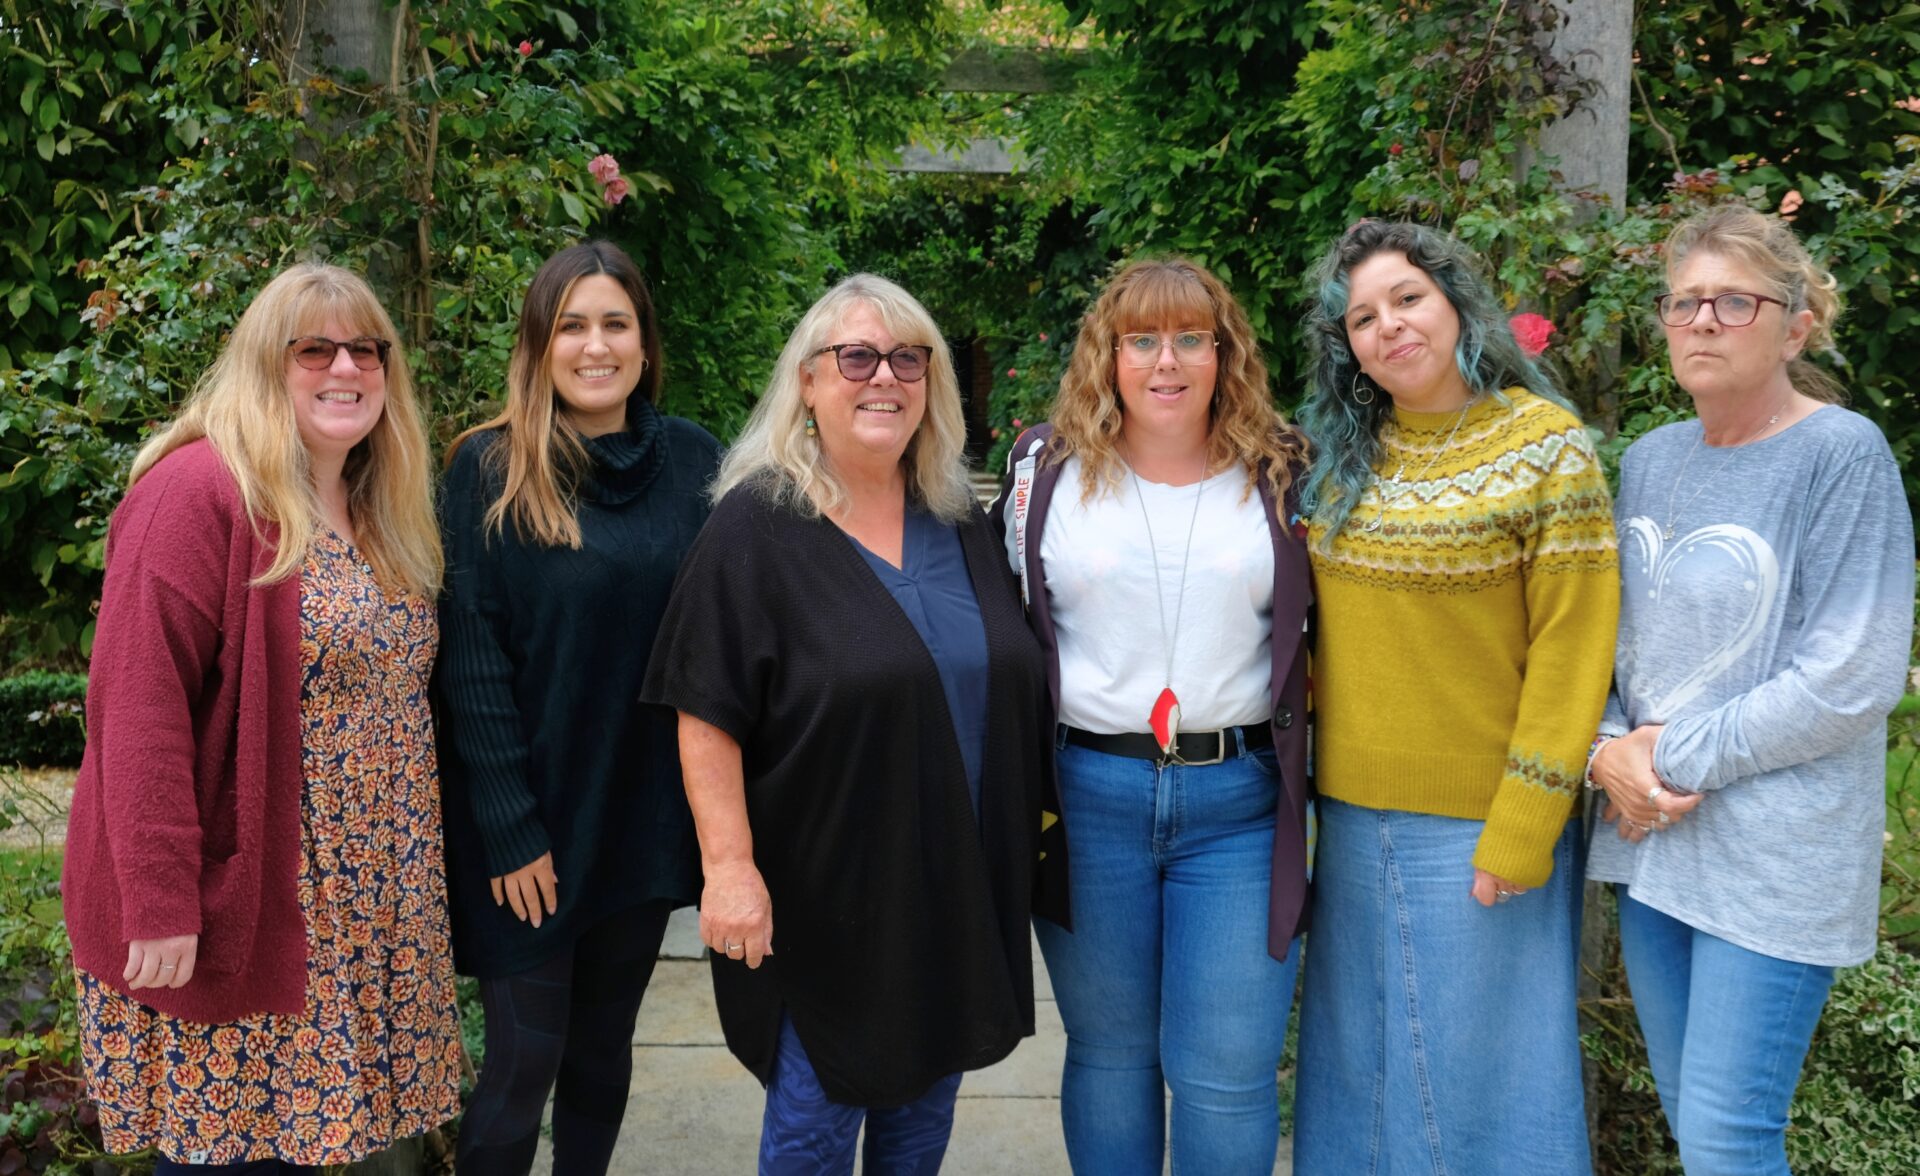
[375,1055]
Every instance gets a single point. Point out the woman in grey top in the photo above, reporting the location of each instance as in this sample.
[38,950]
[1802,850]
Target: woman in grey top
[1766,565]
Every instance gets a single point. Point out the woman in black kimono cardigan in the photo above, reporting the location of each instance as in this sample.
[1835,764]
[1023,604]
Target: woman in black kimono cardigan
[824,756]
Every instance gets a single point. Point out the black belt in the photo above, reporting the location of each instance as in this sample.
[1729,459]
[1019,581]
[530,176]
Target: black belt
[1190,747]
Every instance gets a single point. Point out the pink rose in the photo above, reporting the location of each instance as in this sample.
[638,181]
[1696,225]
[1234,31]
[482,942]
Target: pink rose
[615,191]
[1531,331]
[1013,373]
[1043,336]
[1017,424]
[604,168]
[526,48]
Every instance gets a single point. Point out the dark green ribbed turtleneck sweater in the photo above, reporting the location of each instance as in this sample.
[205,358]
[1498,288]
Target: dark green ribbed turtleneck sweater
[543,744]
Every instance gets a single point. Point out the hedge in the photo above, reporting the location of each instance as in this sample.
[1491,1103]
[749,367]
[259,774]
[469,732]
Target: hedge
[40,719]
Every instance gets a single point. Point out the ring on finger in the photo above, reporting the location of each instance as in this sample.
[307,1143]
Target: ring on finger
[1663,818]
[1655,793]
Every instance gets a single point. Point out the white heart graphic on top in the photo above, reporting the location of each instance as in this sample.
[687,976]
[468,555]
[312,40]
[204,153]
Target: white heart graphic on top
[1750,553]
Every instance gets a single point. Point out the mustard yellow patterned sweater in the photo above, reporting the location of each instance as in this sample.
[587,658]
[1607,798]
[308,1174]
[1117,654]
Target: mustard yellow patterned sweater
[1466,644]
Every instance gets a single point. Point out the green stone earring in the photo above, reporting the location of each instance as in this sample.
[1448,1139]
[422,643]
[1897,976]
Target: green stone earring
[812,429]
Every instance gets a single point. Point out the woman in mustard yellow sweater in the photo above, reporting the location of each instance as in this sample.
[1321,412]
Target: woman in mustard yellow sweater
[1463,551]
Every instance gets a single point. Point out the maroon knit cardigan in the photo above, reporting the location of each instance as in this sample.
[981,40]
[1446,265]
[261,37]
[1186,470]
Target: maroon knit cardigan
[186,814]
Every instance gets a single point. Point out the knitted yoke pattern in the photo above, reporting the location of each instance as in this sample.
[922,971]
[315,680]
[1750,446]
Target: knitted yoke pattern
[1466,641]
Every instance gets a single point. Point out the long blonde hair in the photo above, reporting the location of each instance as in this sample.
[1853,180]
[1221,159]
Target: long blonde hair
[241,406]
[1769,247]
[1246,429]
[539,457]
[774,448]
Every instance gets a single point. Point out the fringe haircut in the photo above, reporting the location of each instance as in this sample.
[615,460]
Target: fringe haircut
[1345,429]
[539,458]
[1245,428]
[1768,246]
[774,452]
[242,407]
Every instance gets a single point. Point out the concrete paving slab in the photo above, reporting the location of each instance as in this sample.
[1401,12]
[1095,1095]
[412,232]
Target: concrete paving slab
[678,1008]
[683,936]
[694,1111]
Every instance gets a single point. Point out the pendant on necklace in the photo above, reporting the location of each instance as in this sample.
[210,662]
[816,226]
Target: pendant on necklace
[1165,720]
[1667,531]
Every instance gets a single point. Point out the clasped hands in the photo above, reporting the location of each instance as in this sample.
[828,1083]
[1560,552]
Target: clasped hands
[1638,800]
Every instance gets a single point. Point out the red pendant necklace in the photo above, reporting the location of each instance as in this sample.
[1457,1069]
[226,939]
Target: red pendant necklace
[1164,718]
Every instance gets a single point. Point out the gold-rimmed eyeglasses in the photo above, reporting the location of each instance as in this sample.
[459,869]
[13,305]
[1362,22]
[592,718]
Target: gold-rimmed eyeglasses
[1141,349]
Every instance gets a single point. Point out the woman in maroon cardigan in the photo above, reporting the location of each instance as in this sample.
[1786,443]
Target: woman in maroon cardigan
[253,874]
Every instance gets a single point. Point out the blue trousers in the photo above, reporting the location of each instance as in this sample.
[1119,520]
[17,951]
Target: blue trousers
[803,1133]
[1437,1036]
[1727,1030]
[1165,981]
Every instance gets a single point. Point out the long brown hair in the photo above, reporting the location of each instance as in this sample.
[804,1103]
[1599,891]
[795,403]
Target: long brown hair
[241,406]
[539,455]
[1246,429]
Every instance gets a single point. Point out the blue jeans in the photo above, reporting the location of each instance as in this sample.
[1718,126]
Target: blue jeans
[1437,1036]
[1727,1030]
[1166,977]
[803,1133]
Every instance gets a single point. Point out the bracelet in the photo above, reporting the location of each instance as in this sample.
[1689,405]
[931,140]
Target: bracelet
[1599,741]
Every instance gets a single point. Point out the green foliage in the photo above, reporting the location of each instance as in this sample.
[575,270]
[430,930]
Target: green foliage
[447,190]
[1814,98]
[46,1123]
[81,125]
[40,719]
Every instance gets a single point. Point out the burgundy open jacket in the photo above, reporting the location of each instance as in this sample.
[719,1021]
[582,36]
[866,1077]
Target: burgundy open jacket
[186,813]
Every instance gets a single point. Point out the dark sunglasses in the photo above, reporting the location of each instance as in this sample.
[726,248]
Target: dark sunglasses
[857,361]
[316,352]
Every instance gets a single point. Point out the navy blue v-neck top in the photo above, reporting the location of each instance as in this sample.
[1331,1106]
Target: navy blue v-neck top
[932,587]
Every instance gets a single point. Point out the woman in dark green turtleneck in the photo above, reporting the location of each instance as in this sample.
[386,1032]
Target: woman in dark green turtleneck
[568,835]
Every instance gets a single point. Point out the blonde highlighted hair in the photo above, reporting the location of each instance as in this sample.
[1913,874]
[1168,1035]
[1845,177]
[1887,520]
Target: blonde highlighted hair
[242,407]
[1246,429]
[774,450]
[539,457]
[1768,246]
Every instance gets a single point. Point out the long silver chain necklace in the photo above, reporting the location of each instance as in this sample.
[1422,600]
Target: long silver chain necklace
[1164,719]
[1673,515]
[1387,500]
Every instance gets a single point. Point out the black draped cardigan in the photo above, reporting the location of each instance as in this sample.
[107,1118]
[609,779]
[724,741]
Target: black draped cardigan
[899,920]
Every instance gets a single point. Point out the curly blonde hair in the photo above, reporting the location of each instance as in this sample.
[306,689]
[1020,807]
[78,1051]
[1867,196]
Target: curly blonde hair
[1245,428]
[1768,246]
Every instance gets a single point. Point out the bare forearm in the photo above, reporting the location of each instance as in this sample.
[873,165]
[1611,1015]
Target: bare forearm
[716,786]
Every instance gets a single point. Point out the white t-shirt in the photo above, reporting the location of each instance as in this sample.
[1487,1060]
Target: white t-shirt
[1099,572]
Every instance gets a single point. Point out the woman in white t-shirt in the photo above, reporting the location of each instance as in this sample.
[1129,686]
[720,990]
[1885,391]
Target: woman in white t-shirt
[1153,526]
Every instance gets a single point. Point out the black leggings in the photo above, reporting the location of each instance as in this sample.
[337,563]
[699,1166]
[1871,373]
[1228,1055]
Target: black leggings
[564,1026]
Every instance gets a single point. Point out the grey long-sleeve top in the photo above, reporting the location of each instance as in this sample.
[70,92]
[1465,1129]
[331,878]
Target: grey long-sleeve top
[1769,634]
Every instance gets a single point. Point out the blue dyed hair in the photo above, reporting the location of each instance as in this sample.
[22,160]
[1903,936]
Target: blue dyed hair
[1345,433]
